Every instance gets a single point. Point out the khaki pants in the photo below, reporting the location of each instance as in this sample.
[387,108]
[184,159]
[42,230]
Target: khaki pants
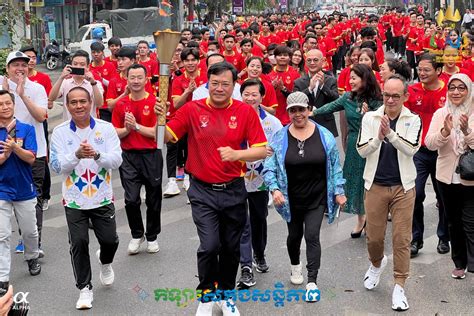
[379,201]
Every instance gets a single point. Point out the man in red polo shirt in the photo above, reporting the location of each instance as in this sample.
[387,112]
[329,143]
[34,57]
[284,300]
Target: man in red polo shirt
[135,121]
[114,44]
[104,70]
[230,55]
[425,97]
[118,85]
[217,127]
[283,78]
[152,66]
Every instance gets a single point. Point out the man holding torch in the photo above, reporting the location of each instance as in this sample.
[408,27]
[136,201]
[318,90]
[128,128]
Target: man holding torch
[216,129]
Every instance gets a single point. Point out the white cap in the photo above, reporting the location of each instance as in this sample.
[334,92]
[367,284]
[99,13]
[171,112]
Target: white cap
[17,55]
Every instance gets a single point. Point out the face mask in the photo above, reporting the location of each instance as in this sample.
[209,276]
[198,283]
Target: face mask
[229,27]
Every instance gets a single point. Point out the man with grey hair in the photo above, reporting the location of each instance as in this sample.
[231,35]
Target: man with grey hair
[388,139]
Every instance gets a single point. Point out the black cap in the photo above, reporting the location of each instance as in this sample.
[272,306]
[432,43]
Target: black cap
[28,48]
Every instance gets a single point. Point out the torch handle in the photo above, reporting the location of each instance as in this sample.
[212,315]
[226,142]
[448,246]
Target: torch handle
[164,85]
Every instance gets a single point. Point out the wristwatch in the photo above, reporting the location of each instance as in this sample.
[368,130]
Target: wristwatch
[137,127]
[97,156]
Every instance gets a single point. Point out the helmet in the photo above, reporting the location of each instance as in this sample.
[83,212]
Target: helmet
[97,33]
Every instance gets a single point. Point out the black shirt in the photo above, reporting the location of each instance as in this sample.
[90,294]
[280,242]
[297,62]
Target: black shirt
[388,172]
[307,174]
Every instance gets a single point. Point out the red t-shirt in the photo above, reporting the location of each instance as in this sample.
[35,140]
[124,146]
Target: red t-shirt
[235,59]
[152,67]
[425,103]
[397,24]
[445,76]
[209,128]
[106,71]
[113,61]
[181,83]
[144,115]
[267,40]
[43,79]
[288,76]
[343,80]
[117,86]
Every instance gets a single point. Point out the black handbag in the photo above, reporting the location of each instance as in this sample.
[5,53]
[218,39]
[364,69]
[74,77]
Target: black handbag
[466,165]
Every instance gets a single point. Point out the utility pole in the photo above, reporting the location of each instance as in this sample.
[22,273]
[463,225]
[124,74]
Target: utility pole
[27,20]
[91,12]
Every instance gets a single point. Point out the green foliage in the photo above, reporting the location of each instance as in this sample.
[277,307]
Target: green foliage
[10,15]
[3,59]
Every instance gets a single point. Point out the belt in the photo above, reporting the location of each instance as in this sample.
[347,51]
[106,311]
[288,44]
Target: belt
[219,186]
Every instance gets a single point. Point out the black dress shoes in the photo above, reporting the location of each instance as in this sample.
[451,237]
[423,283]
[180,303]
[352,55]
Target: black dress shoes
[443,247]
[415,248]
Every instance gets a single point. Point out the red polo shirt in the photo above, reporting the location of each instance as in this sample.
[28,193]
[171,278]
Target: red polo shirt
[117,87]
[144,115]
[181,83]
[288,76]
[209,128]
[43,79]
[152,67]
[425,102]
[113,61]
[106,71]
[235,59]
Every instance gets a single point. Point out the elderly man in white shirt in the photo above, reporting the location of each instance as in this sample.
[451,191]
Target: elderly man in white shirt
[31,106]
[84,151]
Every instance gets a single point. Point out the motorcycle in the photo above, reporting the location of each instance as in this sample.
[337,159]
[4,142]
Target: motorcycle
[53,56]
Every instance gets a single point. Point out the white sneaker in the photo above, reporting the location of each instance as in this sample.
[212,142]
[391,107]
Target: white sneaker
[229,308]
[296,274]
[399,300]
[312,293]
[372,276]
[152,246]
[85,299]
[172,188]
[45,205]
[134,245]
[205,309]
[186,183]
[107,275]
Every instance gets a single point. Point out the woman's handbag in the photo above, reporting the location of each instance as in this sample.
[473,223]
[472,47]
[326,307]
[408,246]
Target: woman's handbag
[466,165]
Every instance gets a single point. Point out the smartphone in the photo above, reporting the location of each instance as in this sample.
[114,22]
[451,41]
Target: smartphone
[77,71]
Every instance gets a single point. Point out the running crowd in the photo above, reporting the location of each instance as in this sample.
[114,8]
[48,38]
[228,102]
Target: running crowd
[262,91]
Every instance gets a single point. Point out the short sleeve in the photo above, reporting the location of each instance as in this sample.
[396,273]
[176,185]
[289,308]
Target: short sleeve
[118,115]
[176,87]
[178,126]
[255,135]
[112,90]
[29,142]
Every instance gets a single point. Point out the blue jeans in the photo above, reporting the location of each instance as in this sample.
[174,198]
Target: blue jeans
[425,163]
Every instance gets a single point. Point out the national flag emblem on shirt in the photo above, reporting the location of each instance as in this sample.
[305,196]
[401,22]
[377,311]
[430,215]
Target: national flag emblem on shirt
[204,120]
[233,122]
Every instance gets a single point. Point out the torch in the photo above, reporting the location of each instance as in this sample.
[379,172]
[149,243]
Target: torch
[166,42]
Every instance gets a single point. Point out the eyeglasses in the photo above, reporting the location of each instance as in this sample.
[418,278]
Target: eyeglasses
[395,97]
[460,88]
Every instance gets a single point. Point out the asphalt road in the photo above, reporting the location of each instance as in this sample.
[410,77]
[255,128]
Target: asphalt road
[430,288]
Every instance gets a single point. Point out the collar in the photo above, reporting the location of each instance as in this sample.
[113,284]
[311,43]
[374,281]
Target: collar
[440,88]
[73,126]
[275,69]
[262,113]
[198,73]
[208,103]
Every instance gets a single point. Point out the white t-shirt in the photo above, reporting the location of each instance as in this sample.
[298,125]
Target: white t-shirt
[37,93]
[202,92]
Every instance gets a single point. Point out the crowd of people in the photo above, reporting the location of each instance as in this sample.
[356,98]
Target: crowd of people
[249,123]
